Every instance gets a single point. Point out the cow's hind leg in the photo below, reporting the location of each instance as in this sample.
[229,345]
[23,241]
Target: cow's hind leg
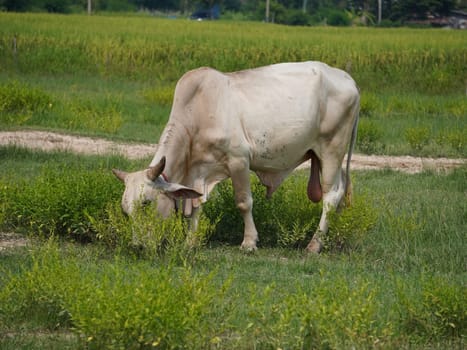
[333,185]
[240,174]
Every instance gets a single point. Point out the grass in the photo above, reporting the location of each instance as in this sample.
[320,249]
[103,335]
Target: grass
[161,50]
[114,76]
[401,285]
[393,273]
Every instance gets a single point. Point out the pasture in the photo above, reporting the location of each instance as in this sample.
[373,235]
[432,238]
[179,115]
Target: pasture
[393,273]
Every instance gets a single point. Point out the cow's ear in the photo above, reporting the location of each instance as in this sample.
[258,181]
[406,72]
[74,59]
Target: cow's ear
[121,175]
[177,191]
[154,171]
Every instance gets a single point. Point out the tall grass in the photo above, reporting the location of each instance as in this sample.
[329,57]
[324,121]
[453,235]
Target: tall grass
[114,76]
[158,49]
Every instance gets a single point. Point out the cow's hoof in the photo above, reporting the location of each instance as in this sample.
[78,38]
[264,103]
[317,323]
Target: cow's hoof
[248,247]
[315,246]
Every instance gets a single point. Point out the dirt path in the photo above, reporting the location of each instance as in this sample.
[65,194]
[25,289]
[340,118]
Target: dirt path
[50,141]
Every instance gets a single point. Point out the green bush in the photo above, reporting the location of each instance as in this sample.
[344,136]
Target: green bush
[288,218]
[331,16]
[455,139]
[349,227]
[117,304]
[417,137]
[57,201]
[439,311]
[368,136]
[297,18]
[148,235]
[162,96]
[19,101]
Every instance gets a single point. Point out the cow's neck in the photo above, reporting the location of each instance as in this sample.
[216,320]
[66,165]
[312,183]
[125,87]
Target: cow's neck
[175,145]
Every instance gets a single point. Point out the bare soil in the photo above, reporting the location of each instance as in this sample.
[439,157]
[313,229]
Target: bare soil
[11,240]
[50,141]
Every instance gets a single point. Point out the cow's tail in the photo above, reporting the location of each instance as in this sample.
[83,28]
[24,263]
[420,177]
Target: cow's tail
[348,182]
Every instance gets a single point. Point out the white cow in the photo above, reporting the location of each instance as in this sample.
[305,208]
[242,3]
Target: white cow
[268,120]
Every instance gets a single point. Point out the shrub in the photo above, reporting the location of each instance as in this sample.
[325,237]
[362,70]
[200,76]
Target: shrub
[368,136]
[333,313]
[149,235]
[288,218]
[117,304]
[337,18]
[439,310]
[57,201]
[162,96]
[417,137]
[453,138]
[297,18]
[349,227]
[19,101]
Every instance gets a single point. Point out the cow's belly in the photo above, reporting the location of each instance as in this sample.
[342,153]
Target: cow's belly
[281,148]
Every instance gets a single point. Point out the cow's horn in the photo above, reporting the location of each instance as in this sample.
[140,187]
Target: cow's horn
[155,171]
[121,175]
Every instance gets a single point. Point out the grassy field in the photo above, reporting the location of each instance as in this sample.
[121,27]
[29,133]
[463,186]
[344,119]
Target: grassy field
[396,278]
[114,76]
[393,273]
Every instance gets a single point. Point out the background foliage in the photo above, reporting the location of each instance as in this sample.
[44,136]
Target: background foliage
[292,12]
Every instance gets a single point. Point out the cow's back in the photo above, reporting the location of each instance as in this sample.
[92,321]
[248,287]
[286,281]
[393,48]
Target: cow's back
[288,108]
[271,113]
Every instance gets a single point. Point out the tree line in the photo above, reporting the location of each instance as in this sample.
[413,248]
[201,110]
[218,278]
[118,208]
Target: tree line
[292,12]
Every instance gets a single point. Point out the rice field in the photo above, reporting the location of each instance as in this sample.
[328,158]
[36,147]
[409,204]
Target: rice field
[161,50]
[114,76]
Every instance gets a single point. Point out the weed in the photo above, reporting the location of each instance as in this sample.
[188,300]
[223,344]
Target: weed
[18,102]
[162,96]
[417,137]
[348,228]
[114,304]
[56,201]
[369,135]
[330,313]
[148,235]
[440,311]
[288,217]
[453,138]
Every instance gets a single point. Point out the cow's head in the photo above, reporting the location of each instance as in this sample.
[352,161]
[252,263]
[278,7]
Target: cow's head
[148,186]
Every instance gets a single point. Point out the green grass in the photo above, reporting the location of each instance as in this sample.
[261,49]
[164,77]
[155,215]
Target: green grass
[114,76]
[393,272]
[115,109]
[401,284]
[156,49]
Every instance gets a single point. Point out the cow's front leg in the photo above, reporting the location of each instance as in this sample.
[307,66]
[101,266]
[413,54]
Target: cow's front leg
[240,174]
